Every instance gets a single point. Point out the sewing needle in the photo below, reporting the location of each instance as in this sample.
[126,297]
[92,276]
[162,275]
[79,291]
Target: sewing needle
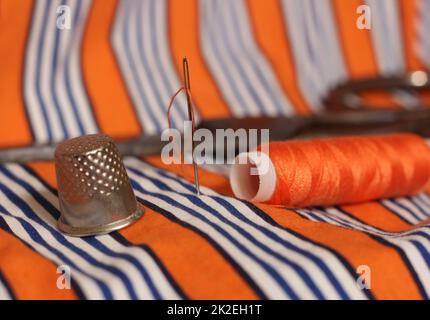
[191,118]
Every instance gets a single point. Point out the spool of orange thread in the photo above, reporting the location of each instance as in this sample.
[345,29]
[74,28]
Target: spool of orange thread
[333,171]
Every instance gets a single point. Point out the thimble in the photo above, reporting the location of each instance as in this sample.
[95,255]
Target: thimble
[94,190]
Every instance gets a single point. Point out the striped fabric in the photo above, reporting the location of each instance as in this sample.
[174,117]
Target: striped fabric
[115,70]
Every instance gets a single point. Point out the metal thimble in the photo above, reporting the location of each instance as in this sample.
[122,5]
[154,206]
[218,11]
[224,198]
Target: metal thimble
[94,190]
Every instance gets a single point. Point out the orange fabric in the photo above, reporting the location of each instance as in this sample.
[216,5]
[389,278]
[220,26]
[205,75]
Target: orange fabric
[45,169]
[193,261]
[184,41]
[388,270]
[106,88]
[381,217]
[358,50]
[190,258]
[356,43]
[266,17]
[408,10]
[30,275]
[15,17]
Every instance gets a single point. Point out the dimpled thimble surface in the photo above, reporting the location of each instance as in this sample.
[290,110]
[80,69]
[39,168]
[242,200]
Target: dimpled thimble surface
[94,190]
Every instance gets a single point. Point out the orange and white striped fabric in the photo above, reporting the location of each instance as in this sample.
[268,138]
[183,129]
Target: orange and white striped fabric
[115,70]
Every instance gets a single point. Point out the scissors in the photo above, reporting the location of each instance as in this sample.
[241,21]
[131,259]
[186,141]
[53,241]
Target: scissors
[341,119]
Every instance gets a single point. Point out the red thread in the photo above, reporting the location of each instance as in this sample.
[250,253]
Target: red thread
[172,99]
[348,169]
[169,108]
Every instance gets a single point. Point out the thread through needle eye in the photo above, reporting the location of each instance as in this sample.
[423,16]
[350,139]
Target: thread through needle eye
[187,85]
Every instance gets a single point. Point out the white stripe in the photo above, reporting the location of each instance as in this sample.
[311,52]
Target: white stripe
[46,71]
[237,12]
[129,269]
[400,211]
[165,55]
[388,45]
[4,292]
[420,202]
[65,42]
[333,60]
[423,25]
[220,64]
[167,68]
[33,105]
[77,85]
[319,59]
[306,215]
[218,31]
[118,42]
[68,49]
[412,207]
[143,75]
[387,36]
[153,270]
[425,198]
[315,35]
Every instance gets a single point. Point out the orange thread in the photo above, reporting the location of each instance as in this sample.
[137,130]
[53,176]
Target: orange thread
[349,169]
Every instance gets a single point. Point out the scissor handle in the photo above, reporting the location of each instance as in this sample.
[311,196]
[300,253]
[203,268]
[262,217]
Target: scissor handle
[346,95]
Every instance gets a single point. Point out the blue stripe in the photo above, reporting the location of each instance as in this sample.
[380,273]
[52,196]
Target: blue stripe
[309,213]
[257,67]
[155,47]
[38,82]
[423,251]
[414,201]
[221,26]
[404,208]
[424,198]
[126,36]
[308,70]
[316,54]
[142,271]
[54,66]
[145,63]
[67,74]
[224,69]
